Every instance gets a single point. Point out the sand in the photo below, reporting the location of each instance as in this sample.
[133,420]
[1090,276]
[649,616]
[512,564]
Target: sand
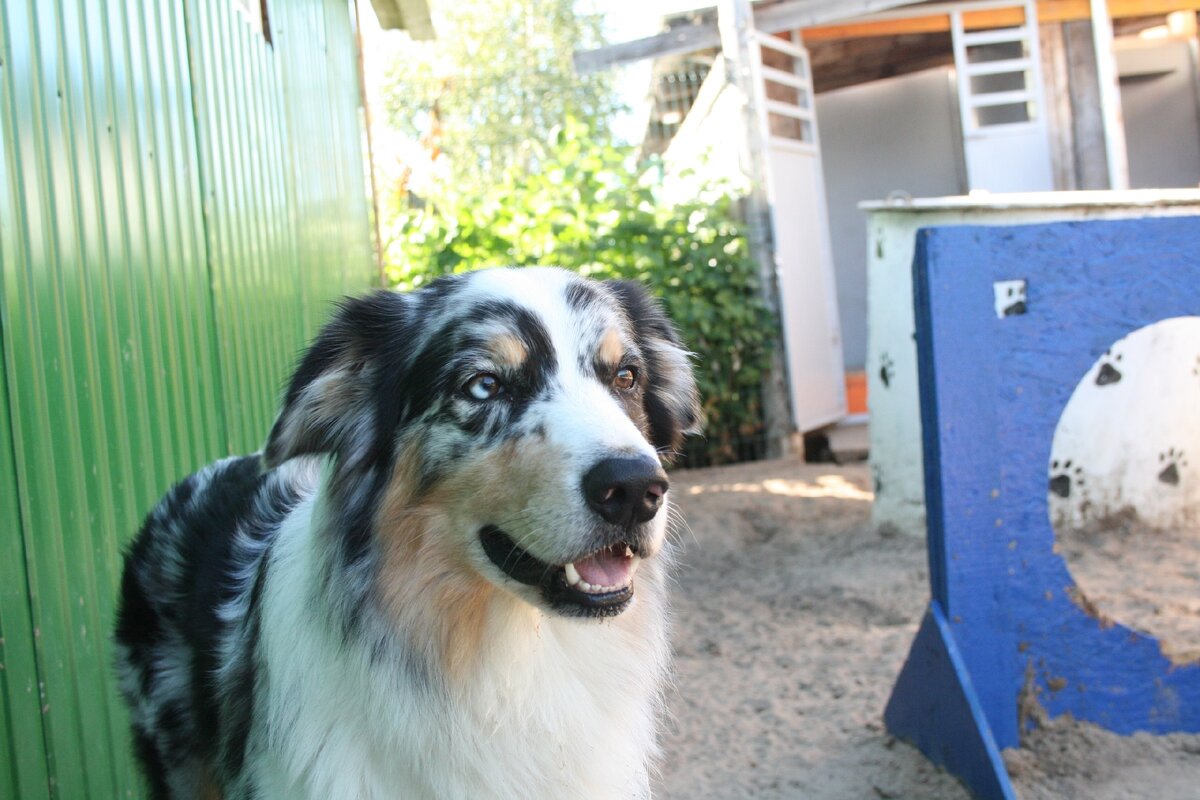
[1133,573]
[792,620]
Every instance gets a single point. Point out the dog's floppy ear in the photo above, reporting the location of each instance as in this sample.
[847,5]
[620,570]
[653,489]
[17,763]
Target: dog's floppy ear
[330,406]
[672,401]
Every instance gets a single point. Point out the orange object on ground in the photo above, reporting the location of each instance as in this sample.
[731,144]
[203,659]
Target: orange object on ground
[856,392]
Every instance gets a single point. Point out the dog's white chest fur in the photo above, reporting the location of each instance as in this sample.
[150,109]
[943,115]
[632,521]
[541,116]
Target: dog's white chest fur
[554,707]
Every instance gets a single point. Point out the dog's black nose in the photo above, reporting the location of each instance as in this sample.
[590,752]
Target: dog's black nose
[625,490]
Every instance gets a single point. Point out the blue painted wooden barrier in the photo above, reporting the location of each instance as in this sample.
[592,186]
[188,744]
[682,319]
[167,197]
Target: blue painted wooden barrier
[994,378]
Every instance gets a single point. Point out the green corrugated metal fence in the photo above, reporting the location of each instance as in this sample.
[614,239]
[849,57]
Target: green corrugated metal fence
[179,201]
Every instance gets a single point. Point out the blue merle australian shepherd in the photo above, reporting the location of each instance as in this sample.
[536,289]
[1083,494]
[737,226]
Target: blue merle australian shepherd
[443,577]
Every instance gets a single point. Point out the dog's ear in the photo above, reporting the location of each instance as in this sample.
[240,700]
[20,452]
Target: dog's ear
[672,401]
[330,405]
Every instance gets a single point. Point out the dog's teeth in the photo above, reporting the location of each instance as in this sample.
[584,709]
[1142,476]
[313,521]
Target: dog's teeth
[628,551]
[575,581]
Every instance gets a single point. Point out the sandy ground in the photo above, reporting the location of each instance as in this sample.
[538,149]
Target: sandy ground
[1132,573]
[793,618]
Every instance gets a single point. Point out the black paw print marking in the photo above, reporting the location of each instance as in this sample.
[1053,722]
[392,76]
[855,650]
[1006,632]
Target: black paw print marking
[1063,475]
[1010,297]
[1108,372]
[1014,301]
[887,369]
[1171,461]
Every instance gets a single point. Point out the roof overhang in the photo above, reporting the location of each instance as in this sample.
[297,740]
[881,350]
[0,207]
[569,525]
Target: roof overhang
[405,15]
[769,15]
[853,19]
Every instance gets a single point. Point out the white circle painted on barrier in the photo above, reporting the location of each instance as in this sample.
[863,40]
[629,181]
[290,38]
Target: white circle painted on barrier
[1124,485]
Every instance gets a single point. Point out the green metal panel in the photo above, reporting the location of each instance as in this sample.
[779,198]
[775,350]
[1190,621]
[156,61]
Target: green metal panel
[104,287]
[243,170]
[323,107]
[178,202]
[22,752]
[283,189]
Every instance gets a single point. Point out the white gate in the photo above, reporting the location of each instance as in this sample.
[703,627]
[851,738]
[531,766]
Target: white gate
[1005,138]
[803,253]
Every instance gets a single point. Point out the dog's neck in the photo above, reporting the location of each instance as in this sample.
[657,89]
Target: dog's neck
[503,682]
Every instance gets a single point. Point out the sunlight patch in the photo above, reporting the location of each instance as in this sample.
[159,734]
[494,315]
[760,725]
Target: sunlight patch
[833,486]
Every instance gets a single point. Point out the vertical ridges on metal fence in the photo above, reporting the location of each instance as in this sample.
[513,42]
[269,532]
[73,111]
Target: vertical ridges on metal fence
[179,202]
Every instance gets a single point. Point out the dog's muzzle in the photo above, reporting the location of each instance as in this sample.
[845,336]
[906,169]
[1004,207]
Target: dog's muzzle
[626,493]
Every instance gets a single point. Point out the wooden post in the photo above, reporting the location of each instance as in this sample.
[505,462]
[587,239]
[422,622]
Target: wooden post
[1057,80]
[1087,122]
[735,22]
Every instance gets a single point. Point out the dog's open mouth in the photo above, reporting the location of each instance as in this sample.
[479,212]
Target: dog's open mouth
[597,584]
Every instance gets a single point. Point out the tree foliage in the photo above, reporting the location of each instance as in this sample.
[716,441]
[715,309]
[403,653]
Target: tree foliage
[498,77]
[591,208]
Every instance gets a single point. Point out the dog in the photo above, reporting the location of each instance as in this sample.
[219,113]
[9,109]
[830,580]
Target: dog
[444,576]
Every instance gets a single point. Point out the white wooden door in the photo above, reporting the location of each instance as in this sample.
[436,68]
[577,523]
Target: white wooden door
[1005,138]
[803,253]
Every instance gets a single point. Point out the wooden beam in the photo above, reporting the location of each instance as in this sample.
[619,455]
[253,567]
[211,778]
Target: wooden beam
[812,14]
[890,27]
[846,62]
[701,35]
[684,39]
[1059,123]
[1048,11]
[1091,163]
[410,15]
[792,14]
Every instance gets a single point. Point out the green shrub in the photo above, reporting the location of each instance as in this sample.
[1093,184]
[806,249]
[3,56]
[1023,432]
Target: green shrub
[589,207]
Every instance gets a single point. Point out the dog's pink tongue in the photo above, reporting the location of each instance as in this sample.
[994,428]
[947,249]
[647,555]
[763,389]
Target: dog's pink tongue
[609,567]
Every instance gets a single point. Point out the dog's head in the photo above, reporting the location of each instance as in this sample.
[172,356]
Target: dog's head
[509,425]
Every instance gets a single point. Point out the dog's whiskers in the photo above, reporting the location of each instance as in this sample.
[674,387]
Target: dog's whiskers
[676,522]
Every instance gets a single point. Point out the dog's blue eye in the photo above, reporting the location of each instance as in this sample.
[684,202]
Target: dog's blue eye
[483,386]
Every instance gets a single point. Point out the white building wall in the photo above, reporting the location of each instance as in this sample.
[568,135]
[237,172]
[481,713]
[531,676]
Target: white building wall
[1160,96]
[895,135]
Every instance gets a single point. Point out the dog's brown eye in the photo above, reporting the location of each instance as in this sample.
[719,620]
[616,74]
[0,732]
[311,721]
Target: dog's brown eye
[483,386]
[625,378]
